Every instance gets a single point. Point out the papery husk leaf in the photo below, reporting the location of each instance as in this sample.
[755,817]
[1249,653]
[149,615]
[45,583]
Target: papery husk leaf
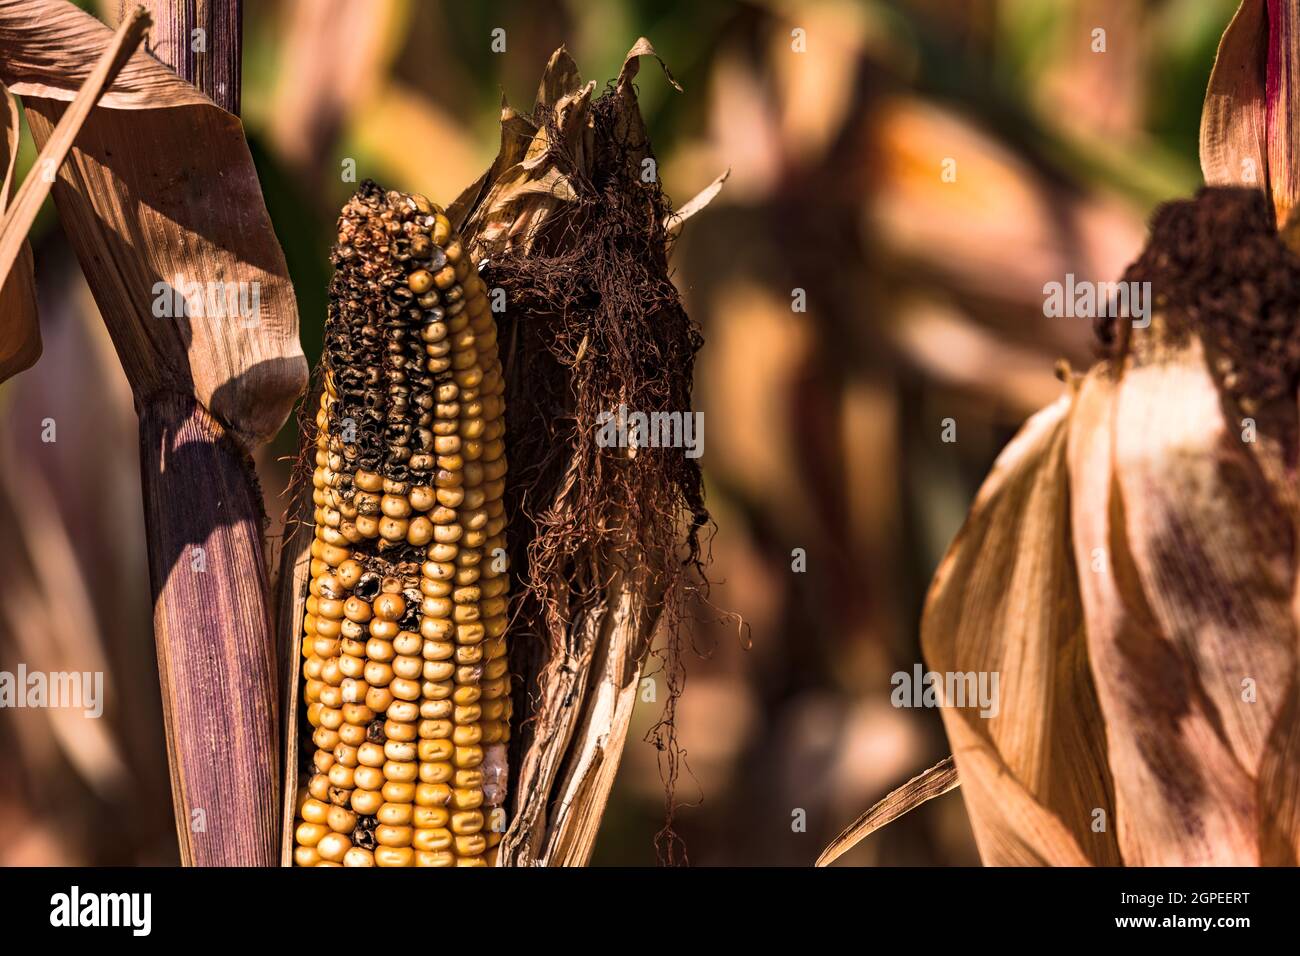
[521,196]
[613,677]
[20,330]
[561,78]
[1005,599]
[1212,550]
[632,64]
[517,133]
[694,205]
[161,184]
[291,556]
[1250,124]
[1195,598]
[630,129]
[935,782]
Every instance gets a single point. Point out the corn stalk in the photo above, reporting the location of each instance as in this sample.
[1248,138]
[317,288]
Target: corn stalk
[215,654]
[159,200]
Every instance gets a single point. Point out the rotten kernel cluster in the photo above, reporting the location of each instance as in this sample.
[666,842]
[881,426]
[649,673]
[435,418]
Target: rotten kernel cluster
[406,681]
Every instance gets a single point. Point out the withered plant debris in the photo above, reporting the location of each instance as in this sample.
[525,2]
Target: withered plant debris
[594,322]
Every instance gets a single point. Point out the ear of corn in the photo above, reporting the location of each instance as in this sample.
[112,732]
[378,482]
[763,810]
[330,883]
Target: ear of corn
[404,650]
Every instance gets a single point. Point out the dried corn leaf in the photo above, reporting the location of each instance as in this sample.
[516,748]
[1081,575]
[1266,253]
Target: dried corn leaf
[694,205]
[517,133]
[1005,601]
[22,338]
[935,782]
[1282,107]
[21,214]
[160,200]
[561,78]
[50,47]
[1233,138]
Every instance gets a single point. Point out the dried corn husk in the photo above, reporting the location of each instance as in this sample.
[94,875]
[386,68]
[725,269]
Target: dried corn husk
[1129,571]
[535,201]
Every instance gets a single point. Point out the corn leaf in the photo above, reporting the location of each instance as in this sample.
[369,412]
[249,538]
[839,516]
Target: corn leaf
[159,198]
[1250,130]
[695,204]
[18,217]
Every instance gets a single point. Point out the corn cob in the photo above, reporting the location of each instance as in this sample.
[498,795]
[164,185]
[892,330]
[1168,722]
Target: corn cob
[405,671]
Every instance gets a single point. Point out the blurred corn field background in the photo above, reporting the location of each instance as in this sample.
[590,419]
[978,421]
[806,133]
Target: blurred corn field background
[910,173]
